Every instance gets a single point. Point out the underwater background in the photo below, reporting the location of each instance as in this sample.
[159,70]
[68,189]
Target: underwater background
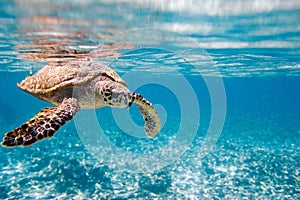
[223,75]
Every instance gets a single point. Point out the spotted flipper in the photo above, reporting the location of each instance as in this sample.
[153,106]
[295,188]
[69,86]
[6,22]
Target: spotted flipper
[42,125]
[152,126]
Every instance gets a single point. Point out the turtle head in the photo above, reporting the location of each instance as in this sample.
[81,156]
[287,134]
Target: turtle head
[114,94]
[119,97]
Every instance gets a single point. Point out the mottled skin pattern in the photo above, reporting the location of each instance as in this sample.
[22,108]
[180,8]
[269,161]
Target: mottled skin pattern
[71,86]
[42,125]
[149,114]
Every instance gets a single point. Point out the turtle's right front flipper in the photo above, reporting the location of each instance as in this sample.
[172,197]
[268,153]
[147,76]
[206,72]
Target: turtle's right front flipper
[153,123]
[42,125]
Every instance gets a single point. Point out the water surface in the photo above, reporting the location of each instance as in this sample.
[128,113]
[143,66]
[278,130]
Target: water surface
[224,76]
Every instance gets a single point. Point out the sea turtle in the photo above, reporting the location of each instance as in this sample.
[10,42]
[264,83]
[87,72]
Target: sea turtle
[71,86]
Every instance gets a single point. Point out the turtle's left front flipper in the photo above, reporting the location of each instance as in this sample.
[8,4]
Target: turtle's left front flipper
[42,125]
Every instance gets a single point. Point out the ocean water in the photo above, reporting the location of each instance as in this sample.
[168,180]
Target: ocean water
[223,75]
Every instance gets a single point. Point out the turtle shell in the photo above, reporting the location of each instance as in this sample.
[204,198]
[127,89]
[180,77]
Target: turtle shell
[58,75]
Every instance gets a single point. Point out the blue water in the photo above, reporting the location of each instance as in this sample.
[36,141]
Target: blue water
[223,75]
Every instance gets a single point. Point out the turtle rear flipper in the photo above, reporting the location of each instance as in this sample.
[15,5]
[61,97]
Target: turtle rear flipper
[153,123]
[42,125]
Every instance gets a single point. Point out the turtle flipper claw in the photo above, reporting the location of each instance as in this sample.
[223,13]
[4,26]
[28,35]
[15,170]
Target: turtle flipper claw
[42,125]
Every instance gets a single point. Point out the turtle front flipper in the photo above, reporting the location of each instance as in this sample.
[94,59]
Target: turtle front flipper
[152,126]
[42,125]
